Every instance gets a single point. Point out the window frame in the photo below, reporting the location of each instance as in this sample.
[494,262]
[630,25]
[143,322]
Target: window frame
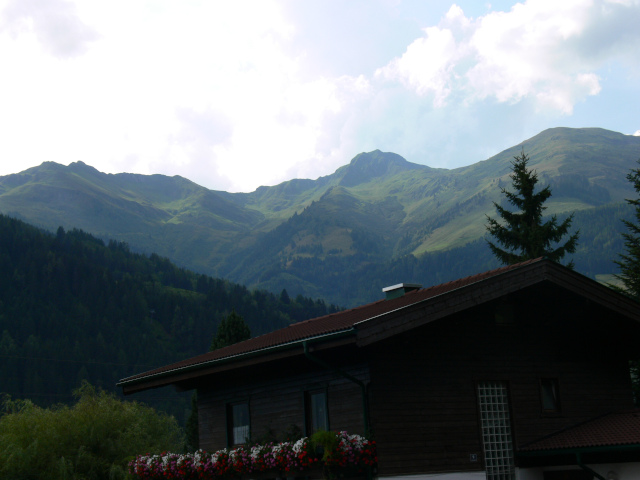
[496,428]
[554,383]
[309,412]
[230,406]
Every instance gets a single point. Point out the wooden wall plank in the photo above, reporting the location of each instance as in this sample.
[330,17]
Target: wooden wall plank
[276,398]
[422,382]
[423,398]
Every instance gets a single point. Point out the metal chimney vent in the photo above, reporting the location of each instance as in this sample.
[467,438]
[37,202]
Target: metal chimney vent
[396,291]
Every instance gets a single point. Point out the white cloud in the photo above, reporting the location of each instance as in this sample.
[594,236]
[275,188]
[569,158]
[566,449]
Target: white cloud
[54,23]
[196,88]
[228,104]
[536,50]
[237,94]
[427,66]
[564,92]
[637,133]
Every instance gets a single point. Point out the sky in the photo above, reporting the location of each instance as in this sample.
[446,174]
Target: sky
[237,94]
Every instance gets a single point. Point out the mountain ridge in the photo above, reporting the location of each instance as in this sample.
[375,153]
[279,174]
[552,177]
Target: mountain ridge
[376,208]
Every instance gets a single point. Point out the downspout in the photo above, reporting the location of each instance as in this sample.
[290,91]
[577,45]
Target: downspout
[587,469]
[351,378]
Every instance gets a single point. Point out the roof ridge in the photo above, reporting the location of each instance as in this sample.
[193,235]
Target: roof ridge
[458,281]
[487,274]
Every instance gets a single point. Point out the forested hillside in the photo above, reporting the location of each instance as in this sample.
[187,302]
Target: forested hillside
[343,236]
[73,308]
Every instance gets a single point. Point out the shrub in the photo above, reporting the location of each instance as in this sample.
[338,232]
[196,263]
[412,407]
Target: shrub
[93,439]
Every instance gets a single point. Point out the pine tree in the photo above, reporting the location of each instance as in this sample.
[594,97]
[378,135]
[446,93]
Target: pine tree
[629,263]
[523,235]
[231,330]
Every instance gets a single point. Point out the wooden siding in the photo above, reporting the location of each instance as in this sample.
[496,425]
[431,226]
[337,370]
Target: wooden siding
[276,398]
[423,382]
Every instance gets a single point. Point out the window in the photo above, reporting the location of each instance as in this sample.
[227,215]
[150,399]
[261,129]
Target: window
[238,423]
[316,414]
[495,422]
[549,395]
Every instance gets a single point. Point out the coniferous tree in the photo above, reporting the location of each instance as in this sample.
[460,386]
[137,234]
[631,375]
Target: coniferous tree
[284,297]
[523,235]
[232,329]
[629,263]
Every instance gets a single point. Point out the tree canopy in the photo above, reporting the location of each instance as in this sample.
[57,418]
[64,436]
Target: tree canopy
[629,262]
[92,440]
[232,329]
[74,308]
[522,235]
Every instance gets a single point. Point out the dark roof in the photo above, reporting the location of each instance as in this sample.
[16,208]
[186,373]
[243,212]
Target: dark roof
[613,429]
[372,322]
[336,322]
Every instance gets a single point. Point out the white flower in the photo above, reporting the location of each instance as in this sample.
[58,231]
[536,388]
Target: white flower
[216,455]
[299,445]
[255,453]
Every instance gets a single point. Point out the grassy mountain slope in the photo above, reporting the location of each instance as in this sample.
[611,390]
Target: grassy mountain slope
[375,210]
[443,209]
[433,210]
[585,168]
[168,215]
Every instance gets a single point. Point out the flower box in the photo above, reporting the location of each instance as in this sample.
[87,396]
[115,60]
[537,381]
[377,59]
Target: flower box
[350,455]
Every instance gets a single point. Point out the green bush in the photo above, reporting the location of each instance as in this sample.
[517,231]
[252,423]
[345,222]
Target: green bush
[325,442]
[92,440]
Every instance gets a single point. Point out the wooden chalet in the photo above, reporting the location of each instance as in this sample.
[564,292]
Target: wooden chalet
[463,380]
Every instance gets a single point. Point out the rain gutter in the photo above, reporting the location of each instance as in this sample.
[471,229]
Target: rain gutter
[351,378]
[232,358]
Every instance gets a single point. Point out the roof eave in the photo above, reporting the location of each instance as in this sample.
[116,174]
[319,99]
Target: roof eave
[579,450]
[167,377]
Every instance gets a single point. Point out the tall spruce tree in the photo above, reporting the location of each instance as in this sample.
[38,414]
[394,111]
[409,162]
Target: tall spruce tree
[629,262]
[232,329]
[522,235]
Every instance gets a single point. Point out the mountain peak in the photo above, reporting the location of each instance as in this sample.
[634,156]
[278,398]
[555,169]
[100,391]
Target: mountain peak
[364,167]
[80,166]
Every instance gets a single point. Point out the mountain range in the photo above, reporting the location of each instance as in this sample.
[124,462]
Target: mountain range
[376,221]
